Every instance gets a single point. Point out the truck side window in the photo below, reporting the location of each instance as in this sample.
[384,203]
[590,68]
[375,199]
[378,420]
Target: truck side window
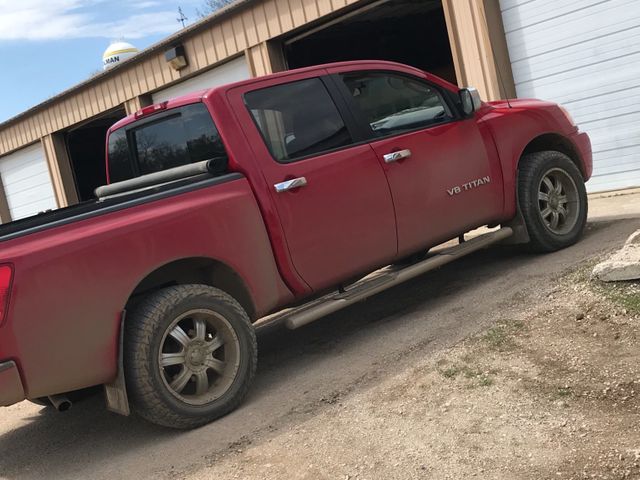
[186,135]
[297,119]
[120,165]
[393,104]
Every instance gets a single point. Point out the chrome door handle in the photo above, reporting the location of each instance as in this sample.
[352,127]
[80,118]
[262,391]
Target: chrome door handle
[395,156]
[290,184]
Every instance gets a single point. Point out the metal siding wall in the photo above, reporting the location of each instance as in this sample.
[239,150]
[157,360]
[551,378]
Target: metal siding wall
[232,71]
[584,54]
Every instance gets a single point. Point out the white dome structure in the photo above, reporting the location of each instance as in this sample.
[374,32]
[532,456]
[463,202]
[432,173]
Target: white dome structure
[117,53]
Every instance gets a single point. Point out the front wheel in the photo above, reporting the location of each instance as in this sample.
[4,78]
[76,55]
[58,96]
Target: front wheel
[552,199]
[190,356]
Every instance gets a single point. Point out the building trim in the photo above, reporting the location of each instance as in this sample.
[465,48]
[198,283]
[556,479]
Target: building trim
[475,57]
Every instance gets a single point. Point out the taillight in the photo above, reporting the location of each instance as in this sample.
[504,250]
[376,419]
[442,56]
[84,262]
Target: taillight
[6,277]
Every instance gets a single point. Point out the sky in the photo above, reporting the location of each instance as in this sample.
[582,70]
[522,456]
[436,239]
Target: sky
[47,46]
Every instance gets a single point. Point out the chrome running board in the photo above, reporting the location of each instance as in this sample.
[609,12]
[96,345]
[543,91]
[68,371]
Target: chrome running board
[379,281]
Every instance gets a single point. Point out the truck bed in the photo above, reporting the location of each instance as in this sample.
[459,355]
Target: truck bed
[76,269]
[85,210]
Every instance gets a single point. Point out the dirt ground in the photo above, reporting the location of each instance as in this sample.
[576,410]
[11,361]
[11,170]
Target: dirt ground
[504,365]
[549,391]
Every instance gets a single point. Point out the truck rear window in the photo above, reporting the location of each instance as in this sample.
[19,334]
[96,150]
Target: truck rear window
[181,136]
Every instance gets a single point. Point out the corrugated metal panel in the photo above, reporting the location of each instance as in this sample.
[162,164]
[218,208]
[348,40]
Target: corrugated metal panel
[27,183]
[232,71]
[584,54]
[212,42]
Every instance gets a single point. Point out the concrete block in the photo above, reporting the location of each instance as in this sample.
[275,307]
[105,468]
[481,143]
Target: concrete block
[622,265]
[634,239]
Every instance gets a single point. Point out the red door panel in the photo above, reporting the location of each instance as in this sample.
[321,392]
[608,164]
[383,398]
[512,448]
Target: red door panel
[341,223]
[444,173]
[451,182]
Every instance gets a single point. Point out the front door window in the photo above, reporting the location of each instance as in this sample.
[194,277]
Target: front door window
[393,104]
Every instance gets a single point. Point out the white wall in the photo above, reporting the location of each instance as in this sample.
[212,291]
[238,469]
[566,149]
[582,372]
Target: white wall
[584,54]
[27,182]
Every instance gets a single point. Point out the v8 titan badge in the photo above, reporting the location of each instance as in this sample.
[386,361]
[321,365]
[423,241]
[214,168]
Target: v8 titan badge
[468,186]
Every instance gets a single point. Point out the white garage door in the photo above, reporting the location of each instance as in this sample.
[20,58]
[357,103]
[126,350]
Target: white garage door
[27,183]
[584,54]
[232,71]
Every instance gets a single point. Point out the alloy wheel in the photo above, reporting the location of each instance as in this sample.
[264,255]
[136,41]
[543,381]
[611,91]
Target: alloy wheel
[558,201]
[199,357]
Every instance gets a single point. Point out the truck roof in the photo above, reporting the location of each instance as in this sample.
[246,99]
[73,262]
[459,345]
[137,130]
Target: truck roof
[198,95]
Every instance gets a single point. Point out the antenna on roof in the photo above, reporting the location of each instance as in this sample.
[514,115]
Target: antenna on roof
[182,18]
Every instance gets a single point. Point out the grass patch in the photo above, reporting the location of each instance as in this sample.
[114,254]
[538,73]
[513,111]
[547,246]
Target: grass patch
[485,381]
[451,372]
[473,376]
[497,338]
[516,324]
[500,337]
[624,294]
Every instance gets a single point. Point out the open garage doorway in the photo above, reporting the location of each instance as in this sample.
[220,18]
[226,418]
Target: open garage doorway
[86,148]
[406,31]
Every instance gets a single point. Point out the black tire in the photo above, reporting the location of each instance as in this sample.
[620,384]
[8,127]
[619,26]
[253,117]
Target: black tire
[149,331]
[553,231]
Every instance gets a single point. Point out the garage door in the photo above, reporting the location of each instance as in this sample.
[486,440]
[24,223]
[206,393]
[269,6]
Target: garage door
[585,55]
[230,72]
[27,183]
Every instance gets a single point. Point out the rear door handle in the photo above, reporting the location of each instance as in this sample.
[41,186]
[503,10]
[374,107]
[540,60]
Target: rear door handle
[290,184]
[395,156]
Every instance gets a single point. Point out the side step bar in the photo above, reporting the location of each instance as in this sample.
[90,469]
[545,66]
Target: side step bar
[378,281]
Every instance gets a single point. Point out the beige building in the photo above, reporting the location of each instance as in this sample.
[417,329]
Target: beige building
[53,154]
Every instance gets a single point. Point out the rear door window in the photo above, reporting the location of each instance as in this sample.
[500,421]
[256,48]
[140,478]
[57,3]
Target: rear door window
[298,119]
[185,135]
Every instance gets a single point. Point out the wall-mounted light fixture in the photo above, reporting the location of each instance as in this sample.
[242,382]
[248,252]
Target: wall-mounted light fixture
[176,57]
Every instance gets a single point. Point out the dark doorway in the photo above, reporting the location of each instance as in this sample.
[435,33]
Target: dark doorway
[406,31]
[86,147]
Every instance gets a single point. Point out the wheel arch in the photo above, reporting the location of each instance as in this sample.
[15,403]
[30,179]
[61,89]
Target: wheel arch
[555,142]
[196,270]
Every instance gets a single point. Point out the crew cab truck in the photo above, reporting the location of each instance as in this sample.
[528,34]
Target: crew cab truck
[275,194]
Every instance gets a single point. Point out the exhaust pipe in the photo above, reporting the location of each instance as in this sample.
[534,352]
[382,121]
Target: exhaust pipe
[60,402]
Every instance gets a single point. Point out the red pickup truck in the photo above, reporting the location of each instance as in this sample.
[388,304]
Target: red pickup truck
[276,199]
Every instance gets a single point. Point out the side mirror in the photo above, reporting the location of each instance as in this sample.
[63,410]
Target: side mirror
[470,100]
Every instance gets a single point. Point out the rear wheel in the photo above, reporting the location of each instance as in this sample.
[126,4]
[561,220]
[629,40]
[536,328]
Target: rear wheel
[190,356]
[552,199]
